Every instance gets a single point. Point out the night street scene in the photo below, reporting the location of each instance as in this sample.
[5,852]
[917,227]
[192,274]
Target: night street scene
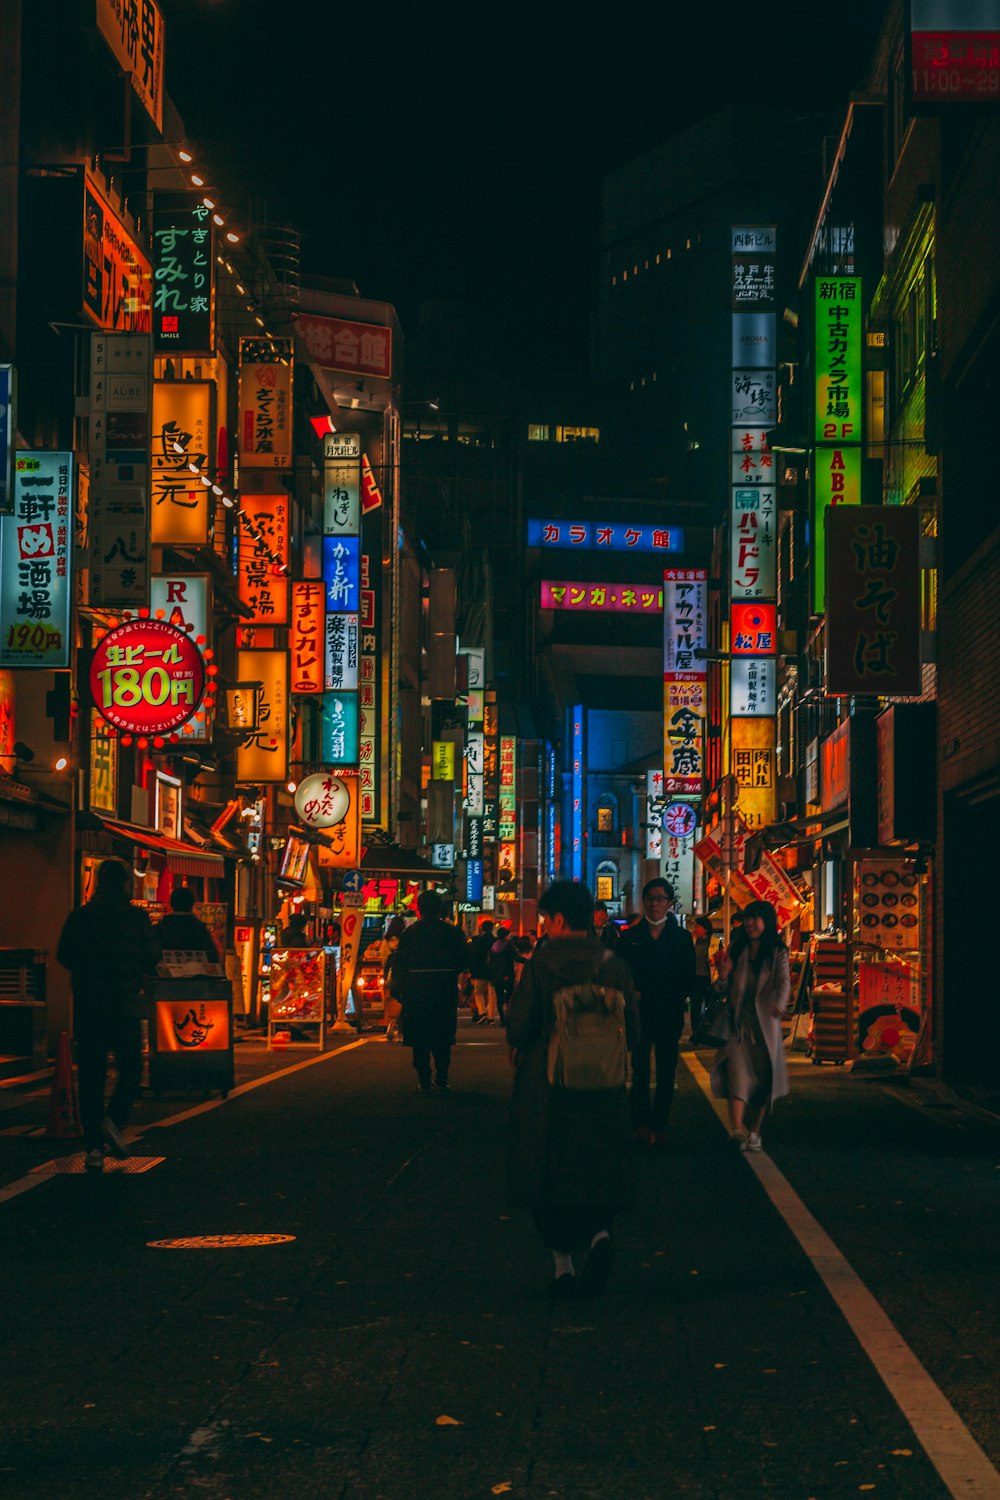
[499,752]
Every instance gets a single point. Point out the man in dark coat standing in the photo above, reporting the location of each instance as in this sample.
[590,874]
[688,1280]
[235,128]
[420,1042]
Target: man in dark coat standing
[109,947]
[570,1150]
[182,931]
[430,957]
[660,955]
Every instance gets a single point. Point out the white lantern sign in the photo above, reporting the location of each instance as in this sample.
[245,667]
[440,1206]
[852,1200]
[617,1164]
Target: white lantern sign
[322,800]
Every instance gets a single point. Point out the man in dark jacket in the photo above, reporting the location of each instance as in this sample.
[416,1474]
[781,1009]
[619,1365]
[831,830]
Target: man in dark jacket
[479,971]
[108,947]
[660,955]
[604,929]
[430,957]
[502,974]
[570,1156]
[182,930]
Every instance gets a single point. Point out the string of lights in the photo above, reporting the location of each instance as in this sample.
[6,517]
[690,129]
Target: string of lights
[254,531]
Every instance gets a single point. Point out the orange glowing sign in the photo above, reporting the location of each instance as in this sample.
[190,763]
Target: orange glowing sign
[263,558]
[305,638]
[192,1026]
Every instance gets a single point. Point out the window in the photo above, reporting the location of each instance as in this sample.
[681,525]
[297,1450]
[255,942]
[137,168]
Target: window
[605,820]
[578,434]
[538,432]
[605,887]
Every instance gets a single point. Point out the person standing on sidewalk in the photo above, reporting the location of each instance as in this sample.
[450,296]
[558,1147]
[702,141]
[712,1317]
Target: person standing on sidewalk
[109,947]
[750,1071]
[660,955]
[484,995]
[703,930]
[604,929]
[570,1153]
[431,956]
[181,929]
[501,965]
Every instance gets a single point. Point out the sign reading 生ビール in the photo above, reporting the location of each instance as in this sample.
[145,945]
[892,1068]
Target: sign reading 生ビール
[147,677]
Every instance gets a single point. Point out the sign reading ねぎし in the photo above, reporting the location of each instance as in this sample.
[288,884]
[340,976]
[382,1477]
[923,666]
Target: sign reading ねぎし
[35,552]
[147,678]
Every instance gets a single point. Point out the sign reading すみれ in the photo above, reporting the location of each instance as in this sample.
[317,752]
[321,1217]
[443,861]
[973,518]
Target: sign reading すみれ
[147,677]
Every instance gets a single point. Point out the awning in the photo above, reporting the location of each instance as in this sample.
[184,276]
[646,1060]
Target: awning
[182,858]
[390,859]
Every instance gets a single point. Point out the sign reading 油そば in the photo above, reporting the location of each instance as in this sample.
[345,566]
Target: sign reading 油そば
[338,344]
[35,552]
[873,614]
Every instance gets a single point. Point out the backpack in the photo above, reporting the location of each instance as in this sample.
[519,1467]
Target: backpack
[587,1047]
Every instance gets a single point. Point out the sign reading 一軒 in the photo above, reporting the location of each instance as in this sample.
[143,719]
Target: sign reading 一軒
[147,677]
[35,562]
[607,536]
[184,280]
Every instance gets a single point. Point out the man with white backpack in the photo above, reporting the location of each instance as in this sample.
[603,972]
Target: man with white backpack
[571,1021]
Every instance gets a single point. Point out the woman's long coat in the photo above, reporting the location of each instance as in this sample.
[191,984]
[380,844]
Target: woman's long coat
[568,1149]
[773,990]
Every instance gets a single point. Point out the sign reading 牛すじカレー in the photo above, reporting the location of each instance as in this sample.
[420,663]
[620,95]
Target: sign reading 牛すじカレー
[35,553]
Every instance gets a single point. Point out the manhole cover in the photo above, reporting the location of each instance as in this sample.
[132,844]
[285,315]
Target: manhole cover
[76,1165]
[220,1241]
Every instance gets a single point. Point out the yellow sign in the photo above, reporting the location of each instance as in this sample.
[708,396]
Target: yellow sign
[264,537]
[341,846]
[263,753]
[443,760]
[192,1026]
[182,420]
[265,433]
[103,765]
[753,765]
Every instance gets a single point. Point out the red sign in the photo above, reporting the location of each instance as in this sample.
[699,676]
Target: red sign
[357,348]
[754,629]
[305,638]
[631,598]
[371,495]
[147,677]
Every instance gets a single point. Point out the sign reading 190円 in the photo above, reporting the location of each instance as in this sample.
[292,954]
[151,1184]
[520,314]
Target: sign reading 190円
[147,677]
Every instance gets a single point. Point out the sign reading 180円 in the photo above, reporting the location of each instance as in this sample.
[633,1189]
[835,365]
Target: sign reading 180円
[147,677]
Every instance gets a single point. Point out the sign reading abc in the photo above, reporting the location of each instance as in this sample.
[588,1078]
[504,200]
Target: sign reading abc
[147,677]
[322,800]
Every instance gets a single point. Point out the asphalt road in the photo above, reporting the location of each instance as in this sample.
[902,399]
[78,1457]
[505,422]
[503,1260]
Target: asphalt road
[398,1345]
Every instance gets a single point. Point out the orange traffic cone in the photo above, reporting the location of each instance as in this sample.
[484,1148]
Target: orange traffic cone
[64,1106]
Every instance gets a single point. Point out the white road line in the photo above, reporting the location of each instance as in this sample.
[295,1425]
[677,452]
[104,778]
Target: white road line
[39,1175]
[963,1466]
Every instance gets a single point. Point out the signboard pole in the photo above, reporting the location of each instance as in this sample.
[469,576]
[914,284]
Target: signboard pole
[351,923]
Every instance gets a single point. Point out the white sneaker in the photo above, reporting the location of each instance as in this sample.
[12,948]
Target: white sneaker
[752,1142]
[738,1138]
[114,1139]
[94,1160]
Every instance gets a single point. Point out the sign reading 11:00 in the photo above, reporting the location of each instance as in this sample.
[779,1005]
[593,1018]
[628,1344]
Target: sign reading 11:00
[605,536]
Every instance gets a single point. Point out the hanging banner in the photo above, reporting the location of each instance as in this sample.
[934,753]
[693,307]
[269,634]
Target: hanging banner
[137,44]
[117,277]
[262,754]
[684,736]
[341,498]
[305,636]
[35,563]
[684,621]
[182,443]
[753,573]
[121,378]
[873,615]
[263,583]
[184,281]
[341,657]
[265,396]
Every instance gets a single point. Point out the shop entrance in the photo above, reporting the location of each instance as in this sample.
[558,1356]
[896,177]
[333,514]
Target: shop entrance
[971,843]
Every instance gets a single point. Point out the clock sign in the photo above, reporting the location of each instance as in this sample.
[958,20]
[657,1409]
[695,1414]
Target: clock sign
[679,820]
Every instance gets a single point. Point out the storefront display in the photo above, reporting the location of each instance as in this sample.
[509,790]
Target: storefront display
[890,930]
[302,982]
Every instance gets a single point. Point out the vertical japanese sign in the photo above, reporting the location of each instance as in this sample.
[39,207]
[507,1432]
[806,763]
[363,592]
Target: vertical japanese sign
[684,678]
[491,772]
[117,277]
[839,405]
[873,615]
[35,552]
[339,729]
[121,381]
[7,428]
[577,795]
[133,29]
[370,749]
[305,638]
[342,484]
[655,804]
[753,765]
[103,784]
[184,600]
[263,536]
[262,755]
[182,444]
[184,281]
[507,854]
[265,398]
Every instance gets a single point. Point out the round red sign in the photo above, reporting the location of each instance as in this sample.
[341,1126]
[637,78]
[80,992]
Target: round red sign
[147,677]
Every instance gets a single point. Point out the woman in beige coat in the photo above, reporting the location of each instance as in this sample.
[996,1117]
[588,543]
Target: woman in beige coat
[750,1071]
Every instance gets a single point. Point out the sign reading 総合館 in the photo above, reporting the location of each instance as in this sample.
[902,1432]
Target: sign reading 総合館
[35,562]
[605,536]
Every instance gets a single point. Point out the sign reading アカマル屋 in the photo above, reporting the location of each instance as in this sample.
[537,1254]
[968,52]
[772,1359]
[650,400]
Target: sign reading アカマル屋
[35,554]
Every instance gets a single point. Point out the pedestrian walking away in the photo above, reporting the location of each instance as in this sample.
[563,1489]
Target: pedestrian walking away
[750,1071]
[660,956]
[502,969]
[431,957]
[387,956]
[484,995]
[109,948]
[571,1020]
[703,929]
[182,930]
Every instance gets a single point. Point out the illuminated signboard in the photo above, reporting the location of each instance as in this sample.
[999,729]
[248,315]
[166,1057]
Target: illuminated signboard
[370,692]
[607,536]
[182,599]
[753,630]
[577,794]
[341,497]
[753,573]
[873,615]
[7,426]
[117,277]
[508,788]
[621,598]
[341,846]
[262,754]
[342,573]
[337,344]
[443,760]
[837,482]
[322,800]
[138,48]
[339,729]
[305,636]
[340,671]
[265,396]
[264,534]
[753,765]
[184,281]
[182,445]
[147,677]
[752,686]
[754,341]
[654,814]
[954,52]
[754,400]
[684,736]
[684,621]
[752,459]
[839,390]
[35,562]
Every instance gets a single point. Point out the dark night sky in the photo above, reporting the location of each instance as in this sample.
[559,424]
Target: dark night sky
[425,152]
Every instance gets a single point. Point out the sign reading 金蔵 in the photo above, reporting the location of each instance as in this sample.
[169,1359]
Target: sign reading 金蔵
[35,562]
[684,709]
[609,536]
[873,602]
